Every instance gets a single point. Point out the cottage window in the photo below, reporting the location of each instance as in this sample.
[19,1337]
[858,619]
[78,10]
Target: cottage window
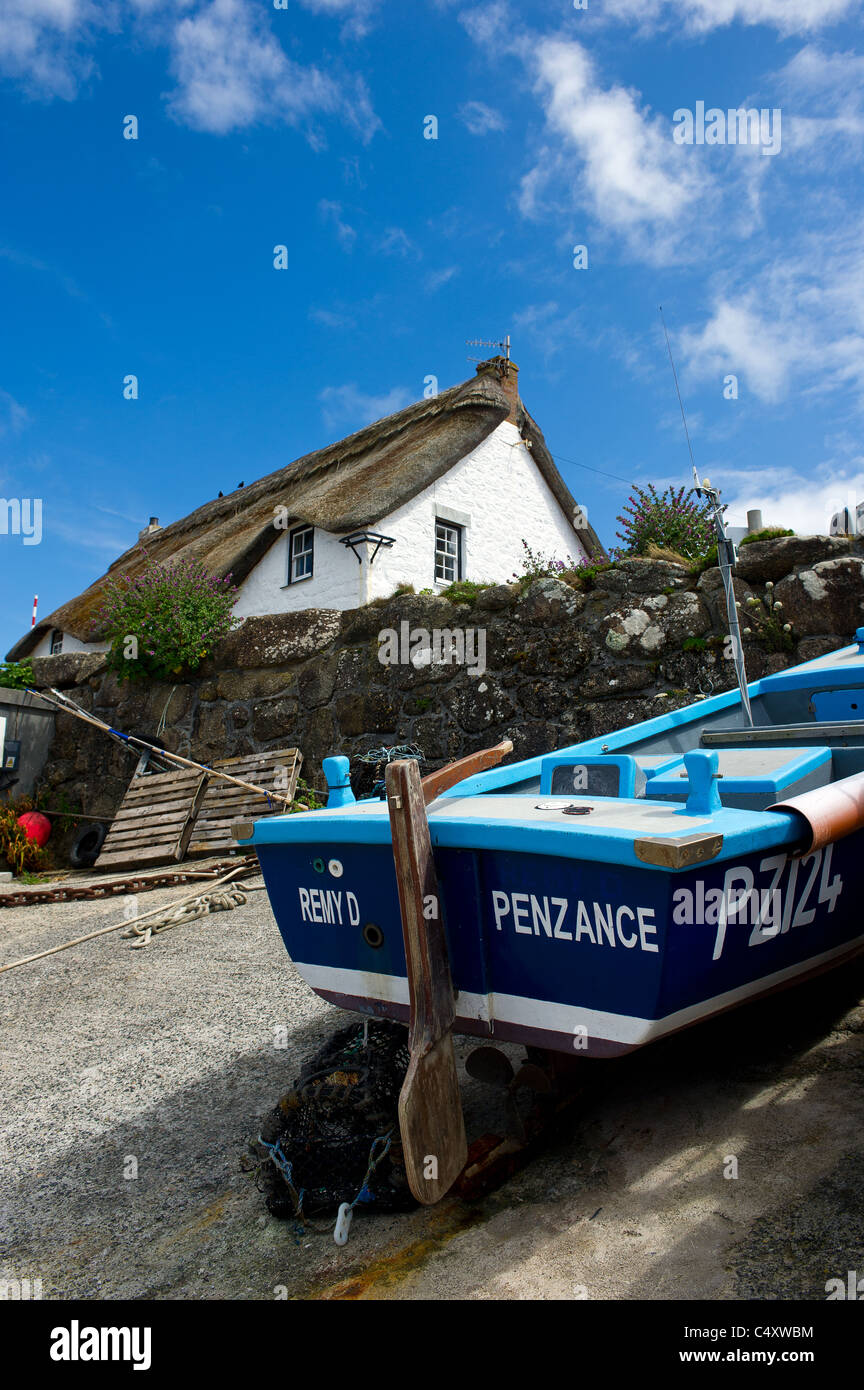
[56,642]
[300,563]
[448,552]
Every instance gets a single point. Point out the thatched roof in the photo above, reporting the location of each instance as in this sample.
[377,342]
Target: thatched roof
[345,487]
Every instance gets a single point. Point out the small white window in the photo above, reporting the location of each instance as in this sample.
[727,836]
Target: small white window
[56,642]
[300,564]
[448,552]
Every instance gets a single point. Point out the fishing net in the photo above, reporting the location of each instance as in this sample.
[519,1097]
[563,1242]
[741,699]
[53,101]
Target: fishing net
[334,1137]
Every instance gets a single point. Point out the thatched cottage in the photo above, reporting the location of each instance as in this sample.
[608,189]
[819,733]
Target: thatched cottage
[446,489]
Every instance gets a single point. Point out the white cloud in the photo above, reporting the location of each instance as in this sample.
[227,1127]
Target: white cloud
[356,14]
[436,278]
[329,318]
[332,212]
[396,242]
[623,160]
[347,405]
[480,118]
[230,67]
[797,327]
[232,73]
[39,44]
[737,338]
[547,324]
[16,415]
[805,503]
[831,86]
[702,16]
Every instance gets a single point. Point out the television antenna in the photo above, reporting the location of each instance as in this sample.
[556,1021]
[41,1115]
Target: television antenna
[489,342]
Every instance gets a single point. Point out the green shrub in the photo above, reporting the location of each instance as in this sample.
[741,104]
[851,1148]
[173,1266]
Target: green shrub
[465,590]
[306,798]
[768,533]
[586,575]
[16,675]
[536,565]
[764,619]
[164,621]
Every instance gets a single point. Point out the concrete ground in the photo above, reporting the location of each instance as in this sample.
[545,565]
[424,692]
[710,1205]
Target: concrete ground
[167,1056]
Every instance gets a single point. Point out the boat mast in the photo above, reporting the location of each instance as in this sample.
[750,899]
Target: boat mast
[726,555]
[726,558]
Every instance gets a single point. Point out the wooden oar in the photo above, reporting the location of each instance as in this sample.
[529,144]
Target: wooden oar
[446,777]
[430,1106]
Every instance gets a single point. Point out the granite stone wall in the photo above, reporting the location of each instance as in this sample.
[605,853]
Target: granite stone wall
[563,662]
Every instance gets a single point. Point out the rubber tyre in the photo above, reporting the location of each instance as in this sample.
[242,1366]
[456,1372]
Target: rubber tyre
[85,851]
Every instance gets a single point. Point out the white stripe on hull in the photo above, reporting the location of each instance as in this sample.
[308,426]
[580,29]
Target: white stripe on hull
[541,1015]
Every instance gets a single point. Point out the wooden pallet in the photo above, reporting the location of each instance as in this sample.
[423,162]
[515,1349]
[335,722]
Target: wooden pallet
[276,771]
[155,820]
[70,890]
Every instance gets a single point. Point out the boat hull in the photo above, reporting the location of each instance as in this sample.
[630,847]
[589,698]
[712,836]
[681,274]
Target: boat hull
[567,953]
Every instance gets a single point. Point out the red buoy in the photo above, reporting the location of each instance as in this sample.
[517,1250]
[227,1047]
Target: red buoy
[35,826]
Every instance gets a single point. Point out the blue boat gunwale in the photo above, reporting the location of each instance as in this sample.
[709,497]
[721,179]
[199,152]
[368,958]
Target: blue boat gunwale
[743,831]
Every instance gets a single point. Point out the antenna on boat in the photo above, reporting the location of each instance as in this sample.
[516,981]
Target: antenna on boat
[726,555]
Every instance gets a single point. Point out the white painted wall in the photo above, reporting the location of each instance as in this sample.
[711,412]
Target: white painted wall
[336,582]
[70,644]
[498,486]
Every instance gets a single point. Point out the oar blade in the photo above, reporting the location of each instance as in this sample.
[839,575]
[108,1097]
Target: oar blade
[431,1123]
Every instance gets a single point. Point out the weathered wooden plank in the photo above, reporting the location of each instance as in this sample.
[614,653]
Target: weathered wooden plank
[147,834]
[225,804]
[277,798]
[430,1106]
[131,816]
[152,854]
[171,801]
[164,779]
[150,827]
[153,788]
[246,762]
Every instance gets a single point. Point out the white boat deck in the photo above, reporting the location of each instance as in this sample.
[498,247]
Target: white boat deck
[607,813]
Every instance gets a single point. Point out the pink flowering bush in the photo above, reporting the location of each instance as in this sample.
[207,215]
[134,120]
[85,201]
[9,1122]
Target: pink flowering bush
[671,520]
[165,620]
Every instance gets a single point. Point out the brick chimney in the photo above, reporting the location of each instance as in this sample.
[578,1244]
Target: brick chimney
[507,374]
[150,528]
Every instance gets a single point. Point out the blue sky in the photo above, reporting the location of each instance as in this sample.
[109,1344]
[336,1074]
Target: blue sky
[304,126]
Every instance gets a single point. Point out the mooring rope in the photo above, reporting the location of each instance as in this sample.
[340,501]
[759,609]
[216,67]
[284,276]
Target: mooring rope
[220,901]
[247,867]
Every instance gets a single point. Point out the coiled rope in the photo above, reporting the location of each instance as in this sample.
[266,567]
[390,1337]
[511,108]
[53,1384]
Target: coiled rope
[248,866]
[220,901]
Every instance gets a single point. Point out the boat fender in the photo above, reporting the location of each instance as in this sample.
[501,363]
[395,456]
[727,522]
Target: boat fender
[343,1223]
[827,813]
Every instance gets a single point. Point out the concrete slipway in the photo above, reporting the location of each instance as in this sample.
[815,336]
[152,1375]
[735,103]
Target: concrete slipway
[167,1054]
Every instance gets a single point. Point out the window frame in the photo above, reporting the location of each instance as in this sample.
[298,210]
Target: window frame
[56,637]
[460,550]
[292,535]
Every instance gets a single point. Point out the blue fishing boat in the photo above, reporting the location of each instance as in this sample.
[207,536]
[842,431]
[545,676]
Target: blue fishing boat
[590,900]
[607,894]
